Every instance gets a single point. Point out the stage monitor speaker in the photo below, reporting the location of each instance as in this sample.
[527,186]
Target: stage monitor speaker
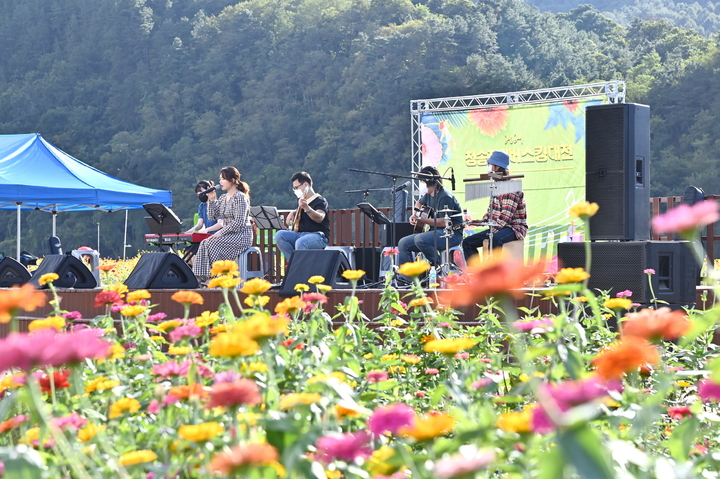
[12,273]
[313,262]
[617,169]
[161,271]
[368,260]
[71,271]
[620,266]
[401,230]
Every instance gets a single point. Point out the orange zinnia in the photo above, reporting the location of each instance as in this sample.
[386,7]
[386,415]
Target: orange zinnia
[187,297]
[14,299]
[187,391]
[245,455]
[492,278]
[624,356]
[655,324]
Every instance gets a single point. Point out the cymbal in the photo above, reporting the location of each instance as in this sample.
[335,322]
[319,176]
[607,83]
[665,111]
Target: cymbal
[464,214]
[486,224]
[447,210]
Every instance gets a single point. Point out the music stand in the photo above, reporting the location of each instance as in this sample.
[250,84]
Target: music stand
[375,217]
[165,219]
[266,217]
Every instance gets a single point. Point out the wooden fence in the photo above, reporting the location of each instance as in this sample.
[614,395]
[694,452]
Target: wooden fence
[351,227]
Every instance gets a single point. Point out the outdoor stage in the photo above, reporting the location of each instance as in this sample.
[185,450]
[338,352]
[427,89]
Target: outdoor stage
[82,300]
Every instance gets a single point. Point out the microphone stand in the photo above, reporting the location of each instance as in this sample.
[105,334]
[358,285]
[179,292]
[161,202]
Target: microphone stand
[366,192]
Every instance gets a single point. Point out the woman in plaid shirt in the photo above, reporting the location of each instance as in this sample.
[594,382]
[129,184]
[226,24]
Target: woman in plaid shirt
[507,211]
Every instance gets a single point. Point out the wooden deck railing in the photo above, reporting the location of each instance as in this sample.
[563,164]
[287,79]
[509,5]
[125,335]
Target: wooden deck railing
[350,227]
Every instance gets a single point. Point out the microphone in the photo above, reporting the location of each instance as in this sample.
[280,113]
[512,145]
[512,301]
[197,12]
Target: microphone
[401,187]
[214,188]
[452,179]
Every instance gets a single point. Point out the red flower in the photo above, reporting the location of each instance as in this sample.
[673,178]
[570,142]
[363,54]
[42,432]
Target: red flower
[60,378]
[489,120]
[104,298]
[679,412]
[242,391]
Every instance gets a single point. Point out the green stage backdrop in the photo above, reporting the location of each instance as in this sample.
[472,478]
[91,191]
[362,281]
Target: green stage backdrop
[546,143]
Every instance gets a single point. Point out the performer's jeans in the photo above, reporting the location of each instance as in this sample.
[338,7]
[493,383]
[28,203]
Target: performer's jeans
[288,241]
[425,243]
[472,243]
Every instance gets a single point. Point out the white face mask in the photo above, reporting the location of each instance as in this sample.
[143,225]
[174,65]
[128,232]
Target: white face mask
[299,192]
[490,168]
[423,188]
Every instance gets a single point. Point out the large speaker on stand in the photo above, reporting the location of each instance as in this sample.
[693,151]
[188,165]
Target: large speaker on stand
[620,266]
[161,271]
[13,273]
[72,273]
[330,264]
[617,168]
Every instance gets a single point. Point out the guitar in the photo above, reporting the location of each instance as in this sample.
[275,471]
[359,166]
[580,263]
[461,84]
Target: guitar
[423,213]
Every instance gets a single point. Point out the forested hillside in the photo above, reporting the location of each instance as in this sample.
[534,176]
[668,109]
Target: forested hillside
[165,92]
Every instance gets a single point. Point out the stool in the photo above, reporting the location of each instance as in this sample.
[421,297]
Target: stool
[515,249]
[386,263]
[348,251]
[91,258]
[457,258]
[243,262]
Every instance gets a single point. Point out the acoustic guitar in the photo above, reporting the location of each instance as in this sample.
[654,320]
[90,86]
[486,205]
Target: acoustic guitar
[423,213]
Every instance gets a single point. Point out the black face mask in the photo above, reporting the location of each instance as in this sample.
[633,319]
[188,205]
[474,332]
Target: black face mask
[203,198]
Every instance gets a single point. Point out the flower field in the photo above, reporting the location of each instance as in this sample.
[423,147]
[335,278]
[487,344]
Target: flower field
[249,393]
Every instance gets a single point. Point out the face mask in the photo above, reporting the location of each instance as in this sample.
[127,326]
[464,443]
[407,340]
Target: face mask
[490,168]
[299,193]
[423,188]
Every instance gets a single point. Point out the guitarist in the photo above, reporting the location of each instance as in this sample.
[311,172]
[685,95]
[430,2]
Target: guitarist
[507,211]
[309,225]
[431,242]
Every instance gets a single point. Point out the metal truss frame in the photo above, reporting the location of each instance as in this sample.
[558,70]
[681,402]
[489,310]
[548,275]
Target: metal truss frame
[613,90]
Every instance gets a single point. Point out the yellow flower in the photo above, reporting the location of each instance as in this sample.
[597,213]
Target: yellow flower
[417,302]
[369,356]
[298,399]
[580,299]
[233,344]
[121,405]
[583,210]
[255,301]
[188,297]
[379,463]
[571,275]
[324,287]
[206,319]
[427,338]
[248,418]
[133,311]
[256,286]
[167,326]
[119,287]
[137,296]
[53,322]
[104,385]
[414,269]
[334,474]
[617,303]
[256,367]
[344,412]
[430,426]
[317,279]
[89,432]
[226,281]
[389,357]
[92,385]
[449,346]
[261,325]
[12,381]
[682,384]
[353,274]
[200,432]
[221,328]
[396,369]
[137,457]
[157,338]
[224,267]
[290,305]
[33,434]
[517,421]
[179,350]
[116,351]
[410,358]
[48,278]
[326,377]
[397,322]
[301,288]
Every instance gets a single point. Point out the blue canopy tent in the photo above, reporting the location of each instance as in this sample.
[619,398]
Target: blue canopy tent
[36,175]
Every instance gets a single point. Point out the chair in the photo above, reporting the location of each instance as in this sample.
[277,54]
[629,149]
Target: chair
[348,251]
[91,258]
[457,258]
[244,264]
[515,249]
[55,245]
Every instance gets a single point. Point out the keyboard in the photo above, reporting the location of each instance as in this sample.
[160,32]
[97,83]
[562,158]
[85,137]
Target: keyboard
[171,239]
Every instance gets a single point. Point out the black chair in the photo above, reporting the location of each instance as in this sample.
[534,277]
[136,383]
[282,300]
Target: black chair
[55,246]
[27,259]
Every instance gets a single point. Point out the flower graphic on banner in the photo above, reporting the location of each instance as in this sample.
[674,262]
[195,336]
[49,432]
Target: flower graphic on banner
[490,121]
[437,142]
[568,113]
[431,147]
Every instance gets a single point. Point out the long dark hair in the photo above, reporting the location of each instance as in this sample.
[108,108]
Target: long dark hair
[232,174]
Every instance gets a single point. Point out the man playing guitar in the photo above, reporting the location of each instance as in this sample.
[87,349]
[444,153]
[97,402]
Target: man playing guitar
[309,225]
[429,243]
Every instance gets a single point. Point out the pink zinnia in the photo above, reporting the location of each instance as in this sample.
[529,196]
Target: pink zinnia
[679,412]
[708,390]
[72,315]
[481,383]
[376,376]
[391,251]
[171,368]
[154,407]
[154,318]
[242,391]
[463,355]
[540,324]
[390,418]
[314,297]
[345,447]
[684,218]
[227,377]
[186,331]
[649,271]
[432,371]
[469,460]
[624,294]
[72,422]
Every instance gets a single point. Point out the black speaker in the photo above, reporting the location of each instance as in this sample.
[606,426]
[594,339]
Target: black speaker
[12,273]
[619,266]
[401,230]
[71,271]
[617,168]
[368,260]
[306,263]
[161,271]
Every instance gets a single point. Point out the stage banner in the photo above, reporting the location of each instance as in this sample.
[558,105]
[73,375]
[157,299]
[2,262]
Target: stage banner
[546,143]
